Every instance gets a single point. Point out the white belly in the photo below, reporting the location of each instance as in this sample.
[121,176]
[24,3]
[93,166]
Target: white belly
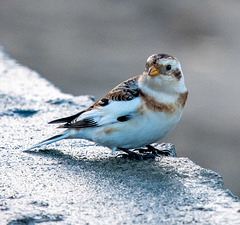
[136,132]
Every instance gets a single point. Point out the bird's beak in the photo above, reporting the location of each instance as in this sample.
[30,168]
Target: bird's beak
[153,71]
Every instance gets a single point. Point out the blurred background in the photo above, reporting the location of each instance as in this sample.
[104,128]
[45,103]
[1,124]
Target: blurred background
[87,47]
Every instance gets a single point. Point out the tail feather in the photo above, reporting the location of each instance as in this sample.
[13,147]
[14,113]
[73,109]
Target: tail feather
[50,140]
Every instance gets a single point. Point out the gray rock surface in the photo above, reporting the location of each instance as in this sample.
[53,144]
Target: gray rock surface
[77,182]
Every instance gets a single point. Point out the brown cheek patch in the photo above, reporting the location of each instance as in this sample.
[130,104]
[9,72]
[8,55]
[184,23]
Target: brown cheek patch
[110,130]
[177,74]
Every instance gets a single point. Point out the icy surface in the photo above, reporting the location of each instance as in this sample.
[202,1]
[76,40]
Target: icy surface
[77,182]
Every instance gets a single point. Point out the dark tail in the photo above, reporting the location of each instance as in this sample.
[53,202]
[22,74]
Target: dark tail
[59,137]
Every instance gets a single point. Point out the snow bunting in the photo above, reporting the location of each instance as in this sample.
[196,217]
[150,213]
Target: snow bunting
[136,113]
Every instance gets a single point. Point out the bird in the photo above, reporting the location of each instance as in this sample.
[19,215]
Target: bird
[136,113]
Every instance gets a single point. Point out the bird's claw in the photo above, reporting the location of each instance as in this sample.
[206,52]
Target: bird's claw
[149,152]
[136,156]
[156,152]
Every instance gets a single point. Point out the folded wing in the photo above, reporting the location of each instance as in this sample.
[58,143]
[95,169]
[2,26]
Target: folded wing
[119,105]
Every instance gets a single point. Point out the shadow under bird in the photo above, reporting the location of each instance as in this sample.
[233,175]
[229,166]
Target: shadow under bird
[135,114]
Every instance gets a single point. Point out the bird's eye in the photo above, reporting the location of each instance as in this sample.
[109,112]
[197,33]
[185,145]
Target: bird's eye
[168,67]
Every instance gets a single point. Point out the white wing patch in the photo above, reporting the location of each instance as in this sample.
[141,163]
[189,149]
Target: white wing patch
[109,113]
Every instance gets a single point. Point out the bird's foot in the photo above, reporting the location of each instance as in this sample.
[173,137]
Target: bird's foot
[150,152]
[165,149]
[158,152]
[136,156]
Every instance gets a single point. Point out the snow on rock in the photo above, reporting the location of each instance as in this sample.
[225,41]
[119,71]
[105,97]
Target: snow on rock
[78,182]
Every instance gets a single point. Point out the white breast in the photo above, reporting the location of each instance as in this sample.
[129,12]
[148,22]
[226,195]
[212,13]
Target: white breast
[137,132]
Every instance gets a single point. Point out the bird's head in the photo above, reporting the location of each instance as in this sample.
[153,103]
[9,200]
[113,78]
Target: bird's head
[163,65]
[164,70]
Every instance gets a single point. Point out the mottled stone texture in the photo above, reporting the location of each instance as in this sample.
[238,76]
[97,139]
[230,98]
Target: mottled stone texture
[77,182]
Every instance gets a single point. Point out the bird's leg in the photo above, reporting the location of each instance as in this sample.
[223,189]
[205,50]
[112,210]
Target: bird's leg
[130,154]
[156,151]
[142,150]
[134,155]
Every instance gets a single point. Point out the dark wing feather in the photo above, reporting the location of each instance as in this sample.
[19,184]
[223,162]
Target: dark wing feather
[68,119]
[125,91]
[80,124]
